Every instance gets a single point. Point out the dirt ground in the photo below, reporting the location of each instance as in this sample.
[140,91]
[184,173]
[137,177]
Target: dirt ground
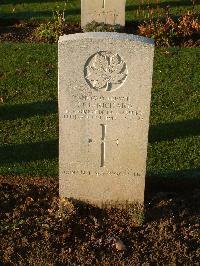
[34,230]
[22,31]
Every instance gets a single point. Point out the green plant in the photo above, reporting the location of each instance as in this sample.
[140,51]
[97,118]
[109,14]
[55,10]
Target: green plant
[136,214]
[45,32]
[51,31]
[101,27]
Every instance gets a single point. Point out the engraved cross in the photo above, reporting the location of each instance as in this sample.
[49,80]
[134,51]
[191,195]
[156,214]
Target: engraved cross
[103,142]
[103,145]
[103,3]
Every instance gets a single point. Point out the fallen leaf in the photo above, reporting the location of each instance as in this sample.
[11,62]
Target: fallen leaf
[120,245]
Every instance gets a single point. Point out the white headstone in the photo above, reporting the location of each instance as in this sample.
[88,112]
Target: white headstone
[105,84]
[106,11]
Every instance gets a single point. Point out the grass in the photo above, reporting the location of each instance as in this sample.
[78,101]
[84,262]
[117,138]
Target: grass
[29,116]
[175,125]
[26,9]
[29,120]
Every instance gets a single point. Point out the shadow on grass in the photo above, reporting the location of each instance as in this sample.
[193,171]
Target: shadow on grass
[27,15]
[131,6]
[174,130]
[165,4]
[38,14]
[29,152]
[16,2]
[11,112]
[49,149]
[181,181]
[77,11]
[161,132]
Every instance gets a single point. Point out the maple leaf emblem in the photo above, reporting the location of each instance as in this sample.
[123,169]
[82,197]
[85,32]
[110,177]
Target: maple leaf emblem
[106,71]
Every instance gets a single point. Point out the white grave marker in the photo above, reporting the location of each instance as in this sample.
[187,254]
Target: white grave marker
[104,105]
[106,11]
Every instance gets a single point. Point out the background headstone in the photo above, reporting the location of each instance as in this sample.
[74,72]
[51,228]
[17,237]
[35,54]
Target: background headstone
[106,11]
[104,104]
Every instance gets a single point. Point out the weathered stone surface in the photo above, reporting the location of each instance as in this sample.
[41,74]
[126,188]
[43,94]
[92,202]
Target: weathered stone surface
[104,104]
[107,11]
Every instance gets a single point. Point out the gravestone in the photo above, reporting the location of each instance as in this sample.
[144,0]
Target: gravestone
[104,104]
[106,11]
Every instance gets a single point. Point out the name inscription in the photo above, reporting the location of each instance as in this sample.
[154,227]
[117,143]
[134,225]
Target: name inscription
[100,107]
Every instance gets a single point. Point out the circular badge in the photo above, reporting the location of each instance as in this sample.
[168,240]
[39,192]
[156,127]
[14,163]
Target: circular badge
[105,71]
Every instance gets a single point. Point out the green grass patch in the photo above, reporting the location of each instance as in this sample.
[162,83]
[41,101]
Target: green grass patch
[28,9]
[175,126]
[29,127]
[29,119]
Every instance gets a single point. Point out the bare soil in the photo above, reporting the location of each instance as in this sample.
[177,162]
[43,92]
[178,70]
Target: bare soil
[21,31]
[39,228]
